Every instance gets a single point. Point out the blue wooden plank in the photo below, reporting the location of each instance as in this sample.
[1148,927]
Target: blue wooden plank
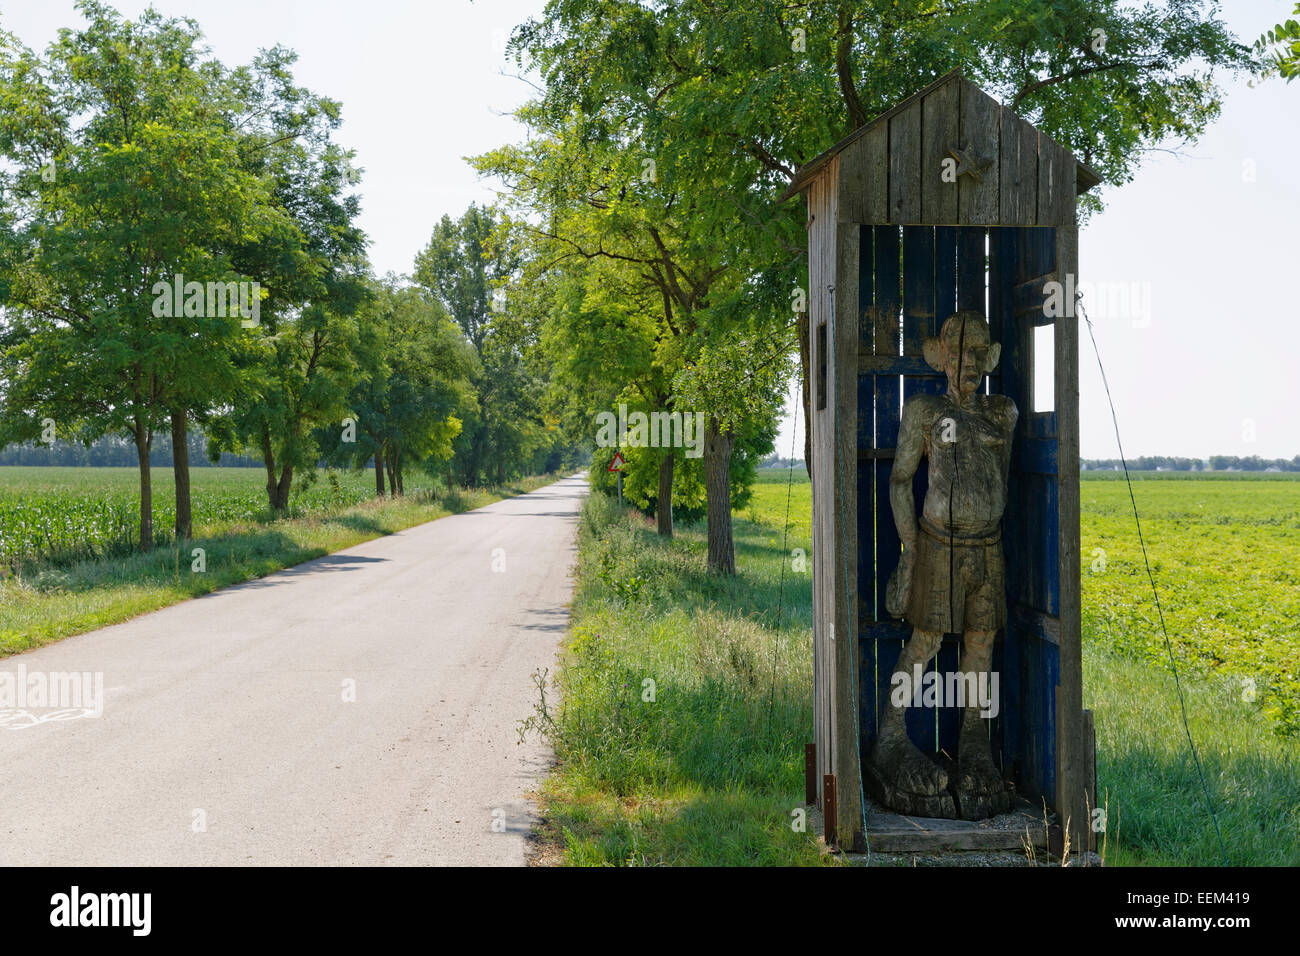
[1006,725]
[970,268]
[1034,455]
[945,274]
[914,365]
[866,288]
[918,287]
[1040,425]
[888,292]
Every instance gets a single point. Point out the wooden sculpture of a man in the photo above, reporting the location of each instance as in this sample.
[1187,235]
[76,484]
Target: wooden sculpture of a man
[950,575]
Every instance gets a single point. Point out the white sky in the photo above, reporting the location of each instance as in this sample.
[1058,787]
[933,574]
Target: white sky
[1216,361]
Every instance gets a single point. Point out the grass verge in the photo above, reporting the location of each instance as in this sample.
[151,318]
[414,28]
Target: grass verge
[46,603]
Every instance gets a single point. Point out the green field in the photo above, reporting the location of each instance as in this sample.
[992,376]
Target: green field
[66,514]
[710,771]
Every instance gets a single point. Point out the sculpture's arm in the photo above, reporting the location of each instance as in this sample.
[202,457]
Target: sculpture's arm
[907,457]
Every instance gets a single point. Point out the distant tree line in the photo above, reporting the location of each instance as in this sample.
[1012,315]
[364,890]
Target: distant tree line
[1213,463]
[119,452]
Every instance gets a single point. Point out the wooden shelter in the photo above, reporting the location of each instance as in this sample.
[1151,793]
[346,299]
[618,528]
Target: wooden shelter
[898,239]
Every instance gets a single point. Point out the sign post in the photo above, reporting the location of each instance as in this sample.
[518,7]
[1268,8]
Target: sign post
[617,466]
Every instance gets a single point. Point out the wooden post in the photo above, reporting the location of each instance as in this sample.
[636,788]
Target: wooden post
[829,814]
[842,458]
[810,773]
[1070,770]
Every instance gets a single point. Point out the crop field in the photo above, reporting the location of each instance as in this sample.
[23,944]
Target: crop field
[1226,559]
[60,515]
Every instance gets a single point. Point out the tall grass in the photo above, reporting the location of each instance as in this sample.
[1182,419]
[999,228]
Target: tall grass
[682,710]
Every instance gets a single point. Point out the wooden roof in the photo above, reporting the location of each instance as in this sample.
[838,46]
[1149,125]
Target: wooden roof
[895,162]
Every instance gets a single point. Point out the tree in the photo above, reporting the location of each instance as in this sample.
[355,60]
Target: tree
[129,189]
[471,267]
[414,383]
[315,271]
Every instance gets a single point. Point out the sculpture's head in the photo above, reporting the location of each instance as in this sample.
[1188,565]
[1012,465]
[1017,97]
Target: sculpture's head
[964,351]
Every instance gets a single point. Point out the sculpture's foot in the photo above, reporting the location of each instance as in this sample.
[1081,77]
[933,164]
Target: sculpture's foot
[902,778]
[981,791]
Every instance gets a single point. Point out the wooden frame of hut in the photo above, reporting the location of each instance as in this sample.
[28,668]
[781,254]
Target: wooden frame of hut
[948,201]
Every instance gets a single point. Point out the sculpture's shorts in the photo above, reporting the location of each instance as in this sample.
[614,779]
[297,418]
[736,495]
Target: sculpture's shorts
[977,599]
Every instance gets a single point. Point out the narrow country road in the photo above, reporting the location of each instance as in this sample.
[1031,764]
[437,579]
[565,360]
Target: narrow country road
[357,709]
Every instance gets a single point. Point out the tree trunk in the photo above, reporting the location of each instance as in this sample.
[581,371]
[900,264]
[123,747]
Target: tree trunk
[283,488]
[664,500]
[143,441]
[181,471]
[807,410]
[717,487]
[268,458]
[379,471]
[397,470]
[392,473]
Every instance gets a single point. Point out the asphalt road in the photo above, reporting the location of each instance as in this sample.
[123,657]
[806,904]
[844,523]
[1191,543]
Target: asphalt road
[357,709]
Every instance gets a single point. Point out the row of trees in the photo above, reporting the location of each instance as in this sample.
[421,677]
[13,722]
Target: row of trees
[1213,463]
[117,451]
[664,132]
[179,250]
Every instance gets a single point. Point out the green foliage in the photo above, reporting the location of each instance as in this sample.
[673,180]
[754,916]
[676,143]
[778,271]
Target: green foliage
[414,382]
[1281,45]
[471,267]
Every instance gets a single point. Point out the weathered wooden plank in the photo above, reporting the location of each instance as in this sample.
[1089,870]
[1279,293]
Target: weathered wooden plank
[980,132]
[1035,456]
[1056,175]
[1036,624]
[1018,181]
[820,238]
[866,290]
[918,288]
[970,268]
[888,408]
[1039,673]
[845,517]
[945,274]
[940,129]
[912,840]
[1072,770]
[905,166]
[894,365]
[864,184]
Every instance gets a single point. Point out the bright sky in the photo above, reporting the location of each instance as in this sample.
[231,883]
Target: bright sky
[1211,240]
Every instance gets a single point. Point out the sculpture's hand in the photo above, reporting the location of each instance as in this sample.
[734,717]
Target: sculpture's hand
[899,590]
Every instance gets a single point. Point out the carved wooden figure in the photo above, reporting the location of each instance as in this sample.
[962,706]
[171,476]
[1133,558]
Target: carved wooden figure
[950,577]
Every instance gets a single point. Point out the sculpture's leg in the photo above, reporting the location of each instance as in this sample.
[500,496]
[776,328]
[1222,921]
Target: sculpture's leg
[894,757]
[981,791]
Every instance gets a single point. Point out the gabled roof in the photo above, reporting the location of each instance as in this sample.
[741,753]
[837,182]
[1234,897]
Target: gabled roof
[1085,177]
